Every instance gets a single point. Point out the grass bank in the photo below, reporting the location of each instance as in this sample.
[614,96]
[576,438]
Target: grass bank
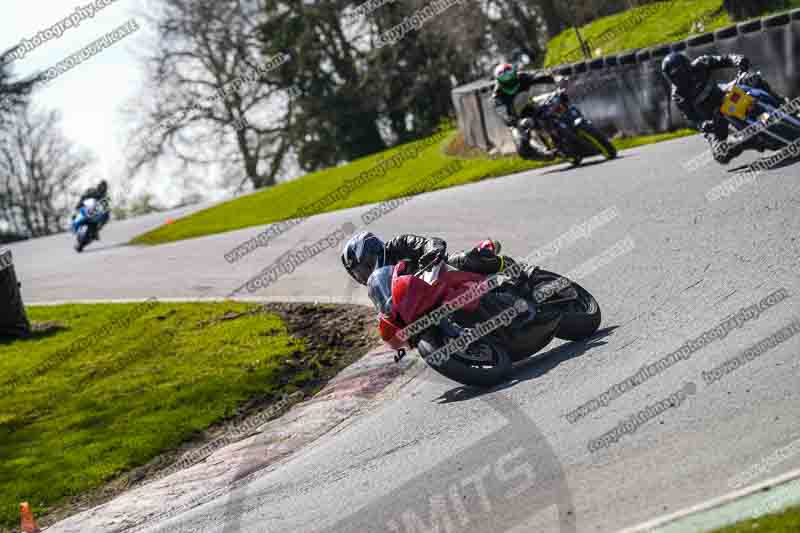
[283,201]
[642,27]
[785,522]
[102,389]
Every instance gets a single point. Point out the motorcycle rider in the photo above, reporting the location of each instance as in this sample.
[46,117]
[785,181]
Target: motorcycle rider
[693,93]
[99,193]
[365,252]
[509,84]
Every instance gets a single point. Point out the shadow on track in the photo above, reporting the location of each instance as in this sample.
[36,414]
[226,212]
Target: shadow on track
[38,332]
[560,169]
[789,161]
[532,368]
[101,248]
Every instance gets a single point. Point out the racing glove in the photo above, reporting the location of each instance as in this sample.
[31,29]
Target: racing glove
[526,124]
[433,257]
[707,126]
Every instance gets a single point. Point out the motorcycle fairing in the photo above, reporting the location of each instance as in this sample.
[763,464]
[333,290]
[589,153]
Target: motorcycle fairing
[737,103]
[389,331]
[88,213]
[765,106]
[412,297]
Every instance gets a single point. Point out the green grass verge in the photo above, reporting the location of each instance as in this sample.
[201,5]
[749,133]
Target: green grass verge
[785,522]
[633,142]
[117,384]
[282,201]
[641,27]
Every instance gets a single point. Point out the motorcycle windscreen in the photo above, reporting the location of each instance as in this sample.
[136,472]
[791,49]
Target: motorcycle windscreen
[379,289]
[90,206]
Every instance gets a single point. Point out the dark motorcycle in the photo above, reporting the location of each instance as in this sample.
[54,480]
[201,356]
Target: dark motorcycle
[534,312]
[563,128]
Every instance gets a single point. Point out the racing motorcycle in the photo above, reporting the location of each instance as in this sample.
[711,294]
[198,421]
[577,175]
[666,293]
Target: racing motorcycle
[86,223]
[536,311]
[563,128]
[756,115]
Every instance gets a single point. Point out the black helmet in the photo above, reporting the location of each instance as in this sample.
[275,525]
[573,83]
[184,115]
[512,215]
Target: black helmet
[362,254]
[677,68]
[102,187]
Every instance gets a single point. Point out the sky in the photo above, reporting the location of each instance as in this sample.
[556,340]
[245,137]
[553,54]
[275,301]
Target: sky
[90,95]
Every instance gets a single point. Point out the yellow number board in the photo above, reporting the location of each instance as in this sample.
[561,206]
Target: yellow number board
[737,103]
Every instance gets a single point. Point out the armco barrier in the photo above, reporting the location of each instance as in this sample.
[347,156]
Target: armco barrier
[626,93]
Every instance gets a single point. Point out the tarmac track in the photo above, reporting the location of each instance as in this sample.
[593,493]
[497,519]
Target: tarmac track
[693,263]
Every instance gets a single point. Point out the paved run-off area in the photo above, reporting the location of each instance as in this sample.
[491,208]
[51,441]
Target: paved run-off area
[429,444]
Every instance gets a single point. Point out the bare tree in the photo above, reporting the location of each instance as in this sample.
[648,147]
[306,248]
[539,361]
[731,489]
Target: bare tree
[37,167]
[14,95]
[223,102]
[217,101]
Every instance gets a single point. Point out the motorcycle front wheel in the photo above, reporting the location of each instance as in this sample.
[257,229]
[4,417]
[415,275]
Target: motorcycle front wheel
[482,364]
[82,239]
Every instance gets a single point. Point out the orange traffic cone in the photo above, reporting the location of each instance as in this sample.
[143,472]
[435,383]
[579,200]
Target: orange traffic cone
[28,522]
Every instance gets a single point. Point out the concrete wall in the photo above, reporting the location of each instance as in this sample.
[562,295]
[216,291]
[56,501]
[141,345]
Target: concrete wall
[626,93]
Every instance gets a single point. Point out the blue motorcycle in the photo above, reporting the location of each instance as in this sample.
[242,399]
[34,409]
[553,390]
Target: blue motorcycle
[91,216]
[760,118]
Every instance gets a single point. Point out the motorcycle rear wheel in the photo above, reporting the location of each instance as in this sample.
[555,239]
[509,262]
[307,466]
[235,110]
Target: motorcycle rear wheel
[459,368]
[595,138]
[580,318]
[583,320]
[788,131]
[784,128]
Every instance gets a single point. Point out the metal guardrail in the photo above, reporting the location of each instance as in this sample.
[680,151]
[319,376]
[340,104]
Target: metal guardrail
[625,93]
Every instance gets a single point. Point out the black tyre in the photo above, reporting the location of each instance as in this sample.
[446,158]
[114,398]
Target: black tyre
[788,131]
[483,364]
[784,128]
[580,318]
[83,238]
[599,142]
